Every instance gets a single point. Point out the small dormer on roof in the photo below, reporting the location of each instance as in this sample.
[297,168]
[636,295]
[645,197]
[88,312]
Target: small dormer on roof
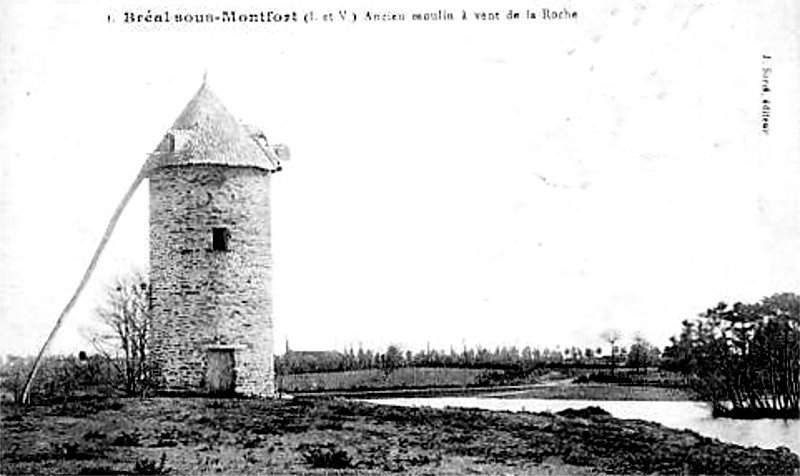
[205,133]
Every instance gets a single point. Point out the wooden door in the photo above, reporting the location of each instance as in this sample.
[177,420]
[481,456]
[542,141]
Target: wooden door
[220,375]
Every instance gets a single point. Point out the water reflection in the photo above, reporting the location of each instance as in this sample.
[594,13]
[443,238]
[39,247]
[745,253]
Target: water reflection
[694,416]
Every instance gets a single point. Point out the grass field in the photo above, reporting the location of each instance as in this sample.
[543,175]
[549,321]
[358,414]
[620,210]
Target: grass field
[327,436]
[494,382]
[406,377]
[600,392]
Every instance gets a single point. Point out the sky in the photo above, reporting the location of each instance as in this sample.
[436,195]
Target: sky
[452,183]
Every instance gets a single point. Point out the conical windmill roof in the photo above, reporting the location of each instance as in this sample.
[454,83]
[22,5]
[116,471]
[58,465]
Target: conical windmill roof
[206,133]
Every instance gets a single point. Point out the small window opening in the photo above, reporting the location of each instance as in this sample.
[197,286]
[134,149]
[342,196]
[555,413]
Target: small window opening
[220,238]
[168,144]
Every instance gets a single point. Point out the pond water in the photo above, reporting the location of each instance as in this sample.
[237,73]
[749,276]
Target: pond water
[694,416]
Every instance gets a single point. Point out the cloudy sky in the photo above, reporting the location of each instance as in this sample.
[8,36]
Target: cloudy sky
[481,183]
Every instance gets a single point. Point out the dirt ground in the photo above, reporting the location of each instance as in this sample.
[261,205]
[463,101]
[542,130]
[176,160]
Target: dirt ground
[334,436]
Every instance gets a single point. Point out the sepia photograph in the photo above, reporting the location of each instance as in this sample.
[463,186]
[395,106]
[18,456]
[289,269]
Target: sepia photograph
[502,238]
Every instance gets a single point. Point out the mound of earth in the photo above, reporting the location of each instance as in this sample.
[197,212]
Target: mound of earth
[587,412]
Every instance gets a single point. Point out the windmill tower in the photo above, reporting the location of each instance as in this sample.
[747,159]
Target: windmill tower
[210,253]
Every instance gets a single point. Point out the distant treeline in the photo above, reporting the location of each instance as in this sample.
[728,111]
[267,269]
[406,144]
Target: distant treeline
[641,354]
[63,376]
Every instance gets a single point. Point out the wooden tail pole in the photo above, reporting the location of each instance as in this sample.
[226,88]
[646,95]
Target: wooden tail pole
[92,265]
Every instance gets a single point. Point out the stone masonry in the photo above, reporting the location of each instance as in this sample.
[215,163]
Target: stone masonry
[207,297]
[201,297]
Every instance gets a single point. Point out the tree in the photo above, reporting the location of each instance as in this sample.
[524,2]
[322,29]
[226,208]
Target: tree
[125,317]
[744,358]
[641,354]
[612,336]
[84,280]
[392,359]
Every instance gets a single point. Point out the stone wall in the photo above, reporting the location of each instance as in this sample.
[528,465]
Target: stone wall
[202,298]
